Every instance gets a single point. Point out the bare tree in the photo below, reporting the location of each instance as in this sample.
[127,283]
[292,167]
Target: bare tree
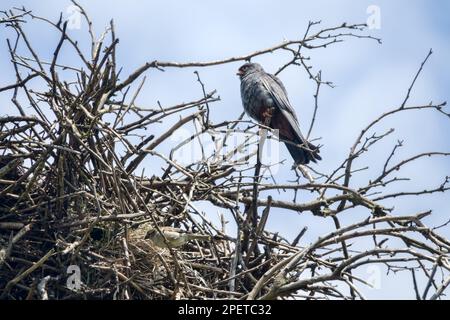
[70,193]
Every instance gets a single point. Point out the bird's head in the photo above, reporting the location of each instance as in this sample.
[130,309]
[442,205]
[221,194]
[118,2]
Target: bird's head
[249,68]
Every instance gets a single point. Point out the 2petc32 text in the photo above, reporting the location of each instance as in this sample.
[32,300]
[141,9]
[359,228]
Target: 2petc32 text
[226,310]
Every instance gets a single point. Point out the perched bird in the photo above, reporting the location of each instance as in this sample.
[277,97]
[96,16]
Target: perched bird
[175,237]
[265,99]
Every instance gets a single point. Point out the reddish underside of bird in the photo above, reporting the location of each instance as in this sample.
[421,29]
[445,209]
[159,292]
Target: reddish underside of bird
[264,98]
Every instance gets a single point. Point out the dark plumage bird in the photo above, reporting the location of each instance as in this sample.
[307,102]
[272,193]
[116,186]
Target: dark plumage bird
[263,96]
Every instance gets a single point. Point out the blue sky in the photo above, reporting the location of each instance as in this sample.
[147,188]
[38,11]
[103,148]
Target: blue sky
[369,78]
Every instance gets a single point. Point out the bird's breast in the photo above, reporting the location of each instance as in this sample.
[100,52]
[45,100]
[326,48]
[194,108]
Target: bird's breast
[255,98]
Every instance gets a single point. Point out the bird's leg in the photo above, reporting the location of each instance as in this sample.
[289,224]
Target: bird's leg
[267,116]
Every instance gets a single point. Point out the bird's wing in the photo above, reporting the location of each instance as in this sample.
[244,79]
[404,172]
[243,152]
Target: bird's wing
[279,95]
[278,81]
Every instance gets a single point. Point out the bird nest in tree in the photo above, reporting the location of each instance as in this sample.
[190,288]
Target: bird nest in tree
[75,212]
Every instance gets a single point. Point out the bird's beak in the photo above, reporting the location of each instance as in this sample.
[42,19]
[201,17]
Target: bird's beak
[239,73]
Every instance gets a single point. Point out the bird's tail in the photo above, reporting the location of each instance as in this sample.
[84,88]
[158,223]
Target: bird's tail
[303,155]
